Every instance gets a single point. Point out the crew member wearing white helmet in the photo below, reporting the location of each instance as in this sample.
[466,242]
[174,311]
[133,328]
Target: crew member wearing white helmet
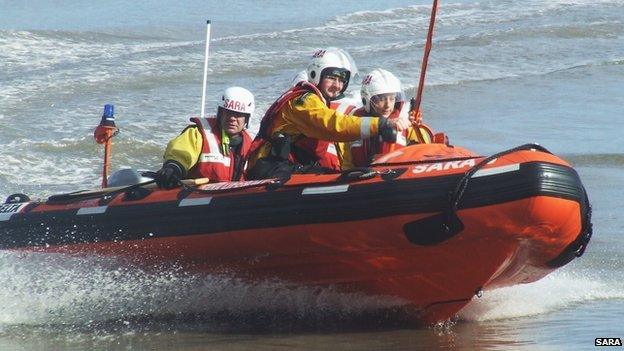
[342,103]
[297,129]
[382,95]
[213,148]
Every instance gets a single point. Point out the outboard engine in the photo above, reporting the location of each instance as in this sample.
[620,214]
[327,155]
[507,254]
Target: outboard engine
[17,198]
[125,177]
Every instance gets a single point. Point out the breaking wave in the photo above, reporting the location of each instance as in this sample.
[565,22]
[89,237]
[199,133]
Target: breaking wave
[477,29]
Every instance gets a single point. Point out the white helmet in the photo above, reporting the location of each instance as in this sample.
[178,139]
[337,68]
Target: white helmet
[239,100]
[380,81]
[331,58]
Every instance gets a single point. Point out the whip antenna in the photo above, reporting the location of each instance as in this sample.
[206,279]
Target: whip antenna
[203,101]
[415,102]
[423,69]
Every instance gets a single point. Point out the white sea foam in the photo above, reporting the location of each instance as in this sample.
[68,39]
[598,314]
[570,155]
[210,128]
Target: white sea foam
[561,289]
[52,289]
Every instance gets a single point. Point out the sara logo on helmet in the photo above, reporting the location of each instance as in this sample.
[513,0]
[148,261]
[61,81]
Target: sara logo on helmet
[319,53]
[239,100]
[367,80]
[234,105]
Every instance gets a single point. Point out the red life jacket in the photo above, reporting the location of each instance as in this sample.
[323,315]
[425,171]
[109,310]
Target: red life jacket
[323,152]
[212,163]
[363,151]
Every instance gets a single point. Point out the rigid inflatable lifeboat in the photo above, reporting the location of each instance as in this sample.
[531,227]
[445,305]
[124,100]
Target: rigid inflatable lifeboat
[430,224]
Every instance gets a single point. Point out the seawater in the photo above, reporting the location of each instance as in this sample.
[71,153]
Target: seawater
[501,74]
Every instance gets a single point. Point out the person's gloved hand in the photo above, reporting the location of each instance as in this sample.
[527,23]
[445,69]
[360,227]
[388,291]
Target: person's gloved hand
[387,130]
[168,177]
[415,117]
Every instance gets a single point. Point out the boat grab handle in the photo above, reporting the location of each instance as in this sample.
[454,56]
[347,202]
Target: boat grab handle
[456,195]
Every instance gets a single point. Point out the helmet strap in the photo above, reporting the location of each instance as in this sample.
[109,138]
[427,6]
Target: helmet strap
[225,143]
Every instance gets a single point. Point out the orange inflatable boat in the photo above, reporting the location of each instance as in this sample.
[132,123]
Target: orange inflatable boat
[433,225]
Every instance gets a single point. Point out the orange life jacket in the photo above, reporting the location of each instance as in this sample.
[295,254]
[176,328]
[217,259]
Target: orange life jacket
[317,150]
[363,151]
[212,163]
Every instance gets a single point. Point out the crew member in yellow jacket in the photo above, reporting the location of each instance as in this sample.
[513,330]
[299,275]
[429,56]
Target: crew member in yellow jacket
[297,130]
[213,148]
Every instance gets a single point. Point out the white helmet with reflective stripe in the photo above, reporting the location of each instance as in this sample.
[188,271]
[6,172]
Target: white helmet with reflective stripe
[379,81]
[238,99]
[331,61]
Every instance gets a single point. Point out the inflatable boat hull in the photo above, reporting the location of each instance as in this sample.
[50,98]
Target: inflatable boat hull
[421,229]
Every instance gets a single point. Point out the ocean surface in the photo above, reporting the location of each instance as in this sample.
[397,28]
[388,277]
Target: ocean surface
[501,73]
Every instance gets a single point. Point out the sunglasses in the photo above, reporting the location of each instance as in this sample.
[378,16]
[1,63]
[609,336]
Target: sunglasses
[340,74]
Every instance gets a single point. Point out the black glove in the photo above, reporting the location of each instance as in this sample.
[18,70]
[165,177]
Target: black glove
[387,130]
[168,177]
